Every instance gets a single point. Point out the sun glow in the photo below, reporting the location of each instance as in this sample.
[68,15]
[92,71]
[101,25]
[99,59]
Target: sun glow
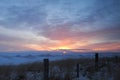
[64,47]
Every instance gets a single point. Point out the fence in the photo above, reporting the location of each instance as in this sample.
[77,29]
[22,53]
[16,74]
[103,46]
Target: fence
[46,66]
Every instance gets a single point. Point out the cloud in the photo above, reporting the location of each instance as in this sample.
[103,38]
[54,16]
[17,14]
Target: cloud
[105,46]
[44,24]
[17,37]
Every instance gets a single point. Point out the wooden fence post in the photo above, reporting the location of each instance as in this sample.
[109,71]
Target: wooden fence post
[96,61]
[116,59]
[46,69]
[77,70]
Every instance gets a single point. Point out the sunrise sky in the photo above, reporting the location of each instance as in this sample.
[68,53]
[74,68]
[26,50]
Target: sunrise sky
[59,24]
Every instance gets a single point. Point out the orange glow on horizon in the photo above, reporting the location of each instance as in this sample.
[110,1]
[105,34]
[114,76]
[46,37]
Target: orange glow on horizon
[64,47]
[37,47]
[73,47]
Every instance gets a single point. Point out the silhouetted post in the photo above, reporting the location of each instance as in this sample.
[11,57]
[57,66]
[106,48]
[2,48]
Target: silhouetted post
[96,61]
[116,59]
[46,69]
[21,77]
[77,70]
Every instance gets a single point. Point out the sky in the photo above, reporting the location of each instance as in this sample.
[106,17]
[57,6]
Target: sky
[87,25]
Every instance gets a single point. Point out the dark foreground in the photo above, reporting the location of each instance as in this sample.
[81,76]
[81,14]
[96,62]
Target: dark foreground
[108,68]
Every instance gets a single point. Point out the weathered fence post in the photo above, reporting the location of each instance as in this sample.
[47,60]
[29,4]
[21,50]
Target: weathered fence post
[77,70]
[96,61]
[116,59]
[21,77]
[46,69]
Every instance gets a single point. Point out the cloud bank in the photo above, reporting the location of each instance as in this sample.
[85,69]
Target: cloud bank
[59,24]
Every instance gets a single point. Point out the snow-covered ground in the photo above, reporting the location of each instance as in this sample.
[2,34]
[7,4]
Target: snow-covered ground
[7,58]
